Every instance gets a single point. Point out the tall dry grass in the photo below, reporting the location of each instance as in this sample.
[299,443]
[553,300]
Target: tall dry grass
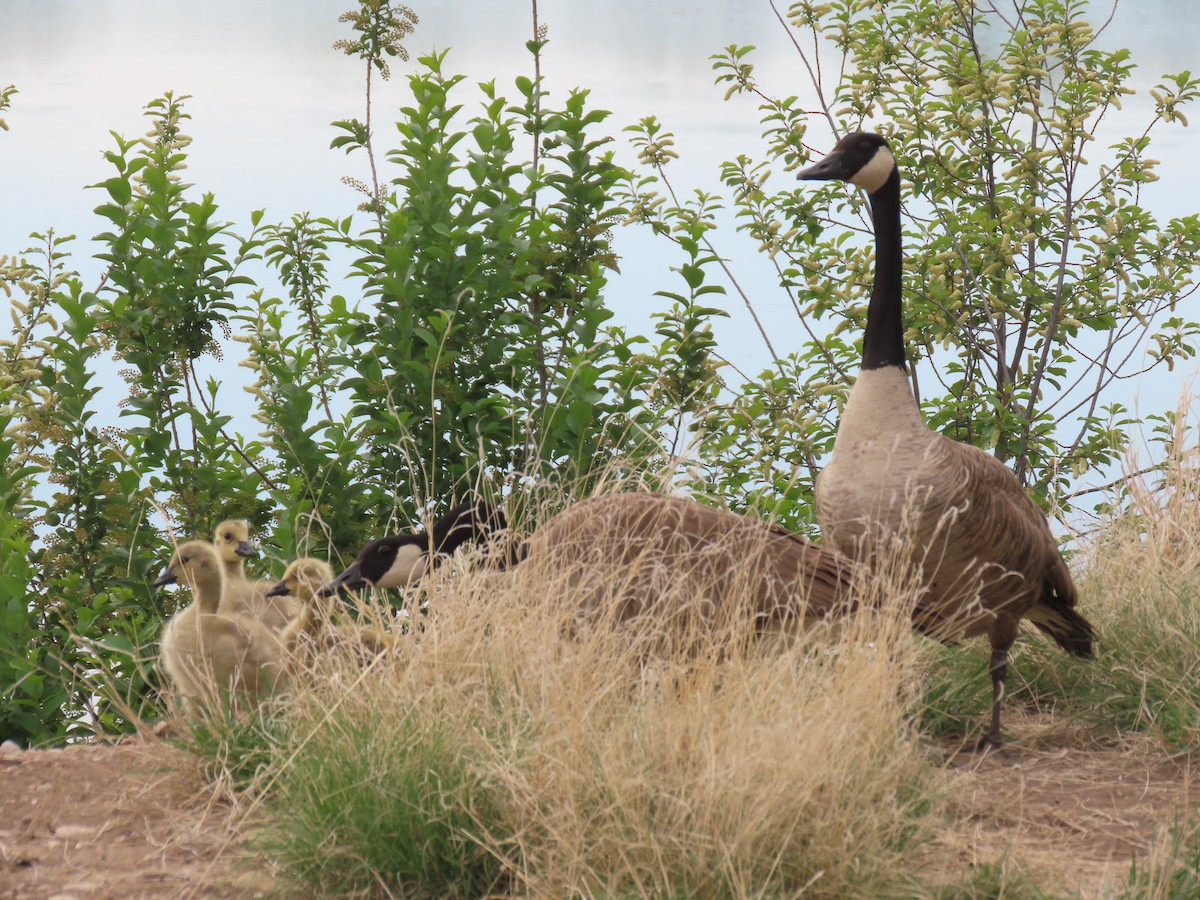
[510,746]
[1139,577]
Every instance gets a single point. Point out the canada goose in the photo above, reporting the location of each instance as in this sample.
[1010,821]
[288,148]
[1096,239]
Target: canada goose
[400,560]
[985,552]
[623,552]
[244,596]
[310,632]
[204,650]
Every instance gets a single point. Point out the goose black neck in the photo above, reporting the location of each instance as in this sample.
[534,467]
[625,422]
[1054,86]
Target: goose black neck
[883,341]
[465,522]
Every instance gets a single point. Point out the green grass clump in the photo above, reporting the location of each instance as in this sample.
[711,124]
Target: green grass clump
[1171,870]
[357,807]
[988,881]
[234,745]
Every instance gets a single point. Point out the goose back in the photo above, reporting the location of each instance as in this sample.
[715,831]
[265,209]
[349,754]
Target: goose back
[634,555]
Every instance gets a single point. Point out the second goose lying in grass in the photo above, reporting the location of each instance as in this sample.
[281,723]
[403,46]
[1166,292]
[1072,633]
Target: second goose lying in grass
[621,554]
[242,595]
[984,550]
[205,652]
[311,633]
[625,552]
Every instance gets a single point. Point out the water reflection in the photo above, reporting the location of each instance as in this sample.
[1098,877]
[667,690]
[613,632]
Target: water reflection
[266,83]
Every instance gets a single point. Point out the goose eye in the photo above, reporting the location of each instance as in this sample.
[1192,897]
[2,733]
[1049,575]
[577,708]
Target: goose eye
[387,550]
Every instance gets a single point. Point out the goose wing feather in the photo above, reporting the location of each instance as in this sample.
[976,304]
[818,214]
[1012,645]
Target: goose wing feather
[651,544]
[990,545]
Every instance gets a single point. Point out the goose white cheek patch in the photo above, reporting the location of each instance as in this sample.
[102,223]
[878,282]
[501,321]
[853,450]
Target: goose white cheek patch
[875,174]
[408,566]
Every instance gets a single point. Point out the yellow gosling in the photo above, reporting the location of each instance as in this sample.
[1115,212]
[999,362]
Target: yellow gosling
[312,633]
[244,596]
[205,651]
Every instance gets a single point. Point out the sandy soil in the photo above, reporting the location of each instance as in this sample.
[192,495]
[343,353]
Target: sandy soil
[1072,818]
[132,820]
[116,821]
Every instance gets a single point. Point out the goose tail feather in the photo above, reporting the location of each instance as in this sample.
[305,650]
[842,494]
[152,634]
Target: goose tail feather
[1055,613]
[1069,629]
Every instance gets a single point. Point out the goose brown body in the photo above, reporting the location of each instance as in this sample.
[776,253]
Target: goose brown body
[205,651]
[982,550]
[628,555]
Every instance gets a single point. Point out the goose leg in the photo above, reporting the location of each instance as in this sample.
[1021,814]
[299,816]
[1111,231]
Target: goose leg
[998,667]
[1002,635]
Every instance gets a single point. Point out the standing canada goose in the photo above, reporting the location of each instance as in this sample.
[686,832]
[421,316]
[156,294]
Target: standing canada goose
[205,651]
[311,633]
[625,552]
[244,596]
[984,550]
[400,560]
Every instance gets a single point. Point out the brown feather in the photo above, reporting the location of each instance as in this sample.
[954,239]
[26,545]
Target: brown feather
[631,554]
[981,546]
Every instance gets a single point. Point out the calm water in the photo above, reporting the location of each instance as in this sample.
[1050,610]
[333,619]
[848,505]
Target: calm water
[266,84]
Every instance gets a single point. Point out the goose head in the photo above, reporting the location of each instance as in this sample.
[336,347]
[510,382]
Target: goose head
[195,564]
[861,158]
[400,560]
[303,579]
[388,562]
[232,540]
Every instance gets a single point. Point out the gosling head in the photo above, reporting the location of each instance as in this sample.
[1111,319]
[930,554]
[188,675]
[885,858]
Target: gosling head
[194,563]
[232,540]
[861,157]
[303,578]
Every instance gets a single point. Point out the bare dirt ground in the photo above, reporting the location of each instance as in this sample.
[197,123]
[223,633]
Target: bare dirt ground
[133,820]
[129,820]
[1072,818]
